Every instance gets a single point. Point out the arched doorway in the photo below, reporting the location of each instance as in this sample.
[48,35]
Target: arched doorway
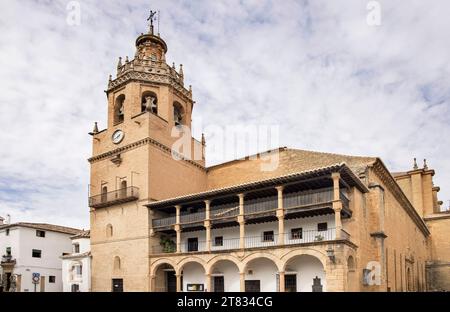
[225,276]
[165,279]
[193,277]
[304,273]
[261,275]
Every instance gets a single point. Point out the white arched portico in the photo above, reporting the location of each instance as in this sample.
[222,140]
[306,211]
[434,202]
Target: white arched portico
[304,273]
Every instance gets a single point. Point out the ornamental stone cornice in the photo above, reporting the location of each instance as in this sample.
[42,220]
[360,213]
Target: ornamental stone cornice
[154,77]
[142,142]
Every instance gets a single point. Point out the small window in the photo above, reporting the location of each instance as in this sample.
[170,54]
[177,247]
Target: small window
[8,251]
[75,288]
[109,230]
[36,253]
[76,248]
[322,227]
[7,232]
[40,233]
[79,270]
[218,241]
[297,233]
[268,236]
[51,279]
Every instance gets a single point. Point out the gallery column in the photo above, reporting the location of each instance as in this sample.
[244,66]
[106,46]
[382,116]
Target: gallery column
[241,221]
[337,204]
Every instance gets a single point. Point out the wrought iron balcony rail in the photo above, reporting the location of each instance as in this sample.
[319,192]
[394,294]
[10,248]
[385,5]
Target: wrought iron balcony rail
[115,197]
[310,236]
[261,241]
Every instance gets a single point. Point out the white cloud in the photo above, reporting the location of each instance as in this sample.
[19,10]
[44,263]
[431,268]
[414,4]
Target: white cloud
[332,82]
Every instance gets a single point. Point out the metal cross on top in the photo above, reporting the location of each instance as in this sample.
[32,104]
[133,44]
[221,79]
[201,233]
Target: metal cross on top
[151,18]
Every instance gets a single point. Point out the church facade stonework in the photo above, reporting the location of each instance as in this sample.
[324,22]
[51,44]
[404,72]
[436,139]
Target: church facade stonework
[318,222]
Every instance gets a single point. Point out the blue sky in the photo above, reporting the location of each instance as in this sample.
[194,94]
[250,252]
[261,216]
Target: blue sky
[316,68]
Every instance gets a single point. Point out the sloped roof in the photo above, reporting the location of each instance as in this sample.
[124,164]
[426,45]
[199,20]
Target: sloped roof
[347,174]
[44,227]
[289,161]
[82,234]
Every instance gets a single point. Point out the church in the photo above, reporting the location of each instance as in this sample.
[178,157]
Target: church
[318,222]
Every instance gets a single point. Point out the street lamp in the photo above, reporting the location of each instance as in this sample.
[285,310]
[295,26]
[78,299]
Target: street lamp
[330,254]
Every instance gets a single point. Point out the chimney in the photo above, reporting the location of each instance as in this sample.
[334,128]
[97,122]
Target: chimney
[8,219]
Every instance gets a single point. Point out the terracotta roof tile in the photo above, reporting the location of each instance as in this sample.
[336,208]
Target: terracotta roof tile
[290,161]
[44,227]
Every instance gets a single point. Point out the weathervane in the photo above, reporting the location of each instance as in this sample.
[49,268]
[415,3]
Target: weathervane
[151,18]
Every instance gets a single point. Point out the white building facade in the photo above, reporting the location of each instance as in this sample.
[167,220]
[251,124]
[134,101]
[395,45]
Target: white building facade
[76,267]
[30,256]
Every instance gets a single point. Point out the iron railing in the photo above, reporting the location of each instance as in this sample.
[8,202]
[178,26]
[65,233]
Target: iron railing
[310,236]
[260,241]
[110,198]
[226,244]
[193,246]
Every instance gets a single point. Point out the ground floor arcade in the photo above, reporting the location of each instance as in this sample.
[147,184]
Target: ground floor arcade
[325,267]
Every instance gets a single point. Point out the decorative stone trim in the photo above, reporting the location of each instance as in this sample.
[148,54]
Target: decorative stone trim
[378,234]
[151,77]
[136,144]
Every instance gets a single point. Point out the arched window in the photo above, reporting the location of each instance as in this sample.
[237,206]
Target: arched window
[104,194]
[117,265]
[149,102]
[109,230]
[123,189]
[178,114]
[119,109]
[351,263]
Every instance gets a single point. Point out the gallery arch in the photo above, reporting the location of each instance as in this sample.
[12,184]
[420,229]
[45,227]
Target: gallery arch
[304,273]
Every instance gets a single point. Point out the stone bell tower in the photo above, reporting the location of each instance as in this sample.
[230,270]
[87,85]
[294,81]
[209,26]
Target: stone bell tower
[132,163]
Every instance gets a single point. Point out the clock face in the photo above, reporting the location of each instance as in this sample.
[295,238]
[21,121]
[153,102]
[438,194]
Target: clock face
[118,136]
